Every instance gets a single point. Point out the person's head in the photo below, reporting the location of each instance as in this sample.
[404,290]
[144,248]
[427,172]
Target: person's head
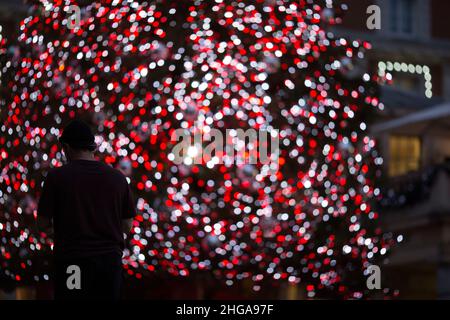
[77,141]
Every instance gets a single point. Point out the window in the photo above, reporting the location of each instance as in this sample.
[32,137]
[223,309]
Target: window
[402,16]
[408,82]
[405,155]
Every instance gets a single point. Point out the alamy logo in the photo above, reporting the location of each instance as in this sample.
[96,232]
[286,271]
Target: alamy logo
[204,145]
[73,22]
[74,278]
[374,277]
[374,19]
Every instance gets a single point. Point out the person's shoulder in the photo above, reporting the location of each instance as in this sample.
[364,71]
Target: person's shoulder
[114,172]
[56,171]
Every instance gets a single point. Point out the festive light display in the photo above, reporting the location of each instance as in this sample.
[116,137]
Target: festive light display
[138,71]
[385,70]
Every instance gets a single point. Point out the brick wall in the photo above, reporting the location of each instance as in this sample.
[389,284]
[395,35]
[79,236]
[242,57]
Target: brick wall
[440,19]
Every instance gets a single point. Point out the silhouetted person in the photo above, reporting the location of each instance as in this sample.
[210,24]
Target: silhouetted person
[90,205]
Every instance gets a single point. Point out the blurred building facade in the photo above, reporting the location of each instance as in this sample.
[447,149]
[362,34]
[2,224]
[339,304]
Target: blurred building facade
[412,50]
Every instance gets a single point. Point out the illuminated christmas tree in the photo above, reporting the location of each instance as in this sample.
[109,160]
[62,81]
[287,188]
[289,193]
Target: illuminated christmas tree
[139,71]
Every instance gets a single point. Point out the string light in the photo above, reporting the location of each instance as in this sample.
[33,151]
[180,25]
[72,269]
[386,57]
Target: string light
[385,69]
